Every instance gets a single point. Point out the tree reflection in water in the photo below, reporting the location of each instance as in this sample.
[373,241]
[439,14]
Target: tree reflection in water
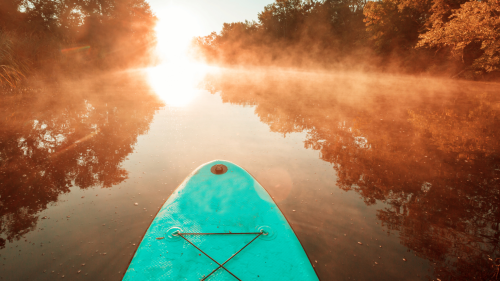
[428,149]
[60,136]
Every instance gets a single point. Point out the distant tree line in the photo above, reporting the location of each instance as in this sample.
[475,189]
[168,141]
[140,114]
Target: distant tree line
[460,38]
[68,35]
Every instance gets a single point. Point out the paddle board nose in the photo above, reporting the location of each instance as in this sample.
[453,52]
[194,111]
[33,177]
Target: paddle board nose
[220,224]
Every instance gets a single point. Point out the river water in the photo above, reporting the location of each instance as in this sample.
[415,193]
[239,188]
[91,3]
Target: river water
[381,177]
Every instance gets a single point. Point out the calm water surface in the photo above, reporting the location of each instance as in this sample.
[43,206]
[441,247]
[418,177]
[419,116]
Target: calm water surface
[381,177]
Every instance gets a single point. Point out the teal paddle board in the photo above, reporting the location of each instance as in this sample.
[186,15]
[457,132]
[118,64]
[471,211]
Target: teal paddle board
[220,224]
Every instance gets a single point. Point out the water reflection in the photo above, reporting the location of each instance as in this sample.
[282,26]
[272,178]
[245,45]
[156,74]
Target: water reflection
[427,149]
[418,159]
[176,82]
[60,136]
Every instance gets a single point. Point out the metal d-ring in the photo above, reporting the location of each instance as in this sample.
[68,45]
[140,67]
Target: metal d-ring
[268,233]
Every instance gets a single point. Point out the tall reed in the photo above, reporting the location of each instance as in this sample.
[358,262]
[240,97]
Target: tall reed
[12,68]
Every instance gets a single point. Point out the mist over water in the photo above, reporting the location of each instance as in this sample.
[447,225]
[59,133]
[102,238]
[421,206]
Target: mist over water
[382,177]
[104,112]
[421,154]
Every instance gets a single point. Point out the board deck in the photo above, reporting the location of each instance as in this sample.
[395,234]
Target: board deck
[194,235]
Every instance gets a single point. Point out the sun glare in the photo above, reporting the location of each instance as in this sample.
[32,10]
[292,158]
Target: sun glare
[176,79]
[175,29]
[177,84]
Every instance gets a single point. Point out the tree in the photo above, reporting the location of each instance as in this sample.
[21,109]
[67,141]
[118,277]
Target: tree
[346,21]
[48,33]
[9,13]
[473,34]
[395,24]
[282,18]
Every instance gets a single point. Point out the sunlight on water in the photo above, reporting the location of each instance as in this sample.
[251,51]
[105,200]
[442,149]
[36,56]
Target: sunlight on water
[176,83]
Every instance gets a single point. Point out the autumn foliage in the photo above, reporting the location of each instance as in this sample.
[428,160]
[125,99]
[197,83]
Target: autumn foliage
[72,36]
[456,38]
